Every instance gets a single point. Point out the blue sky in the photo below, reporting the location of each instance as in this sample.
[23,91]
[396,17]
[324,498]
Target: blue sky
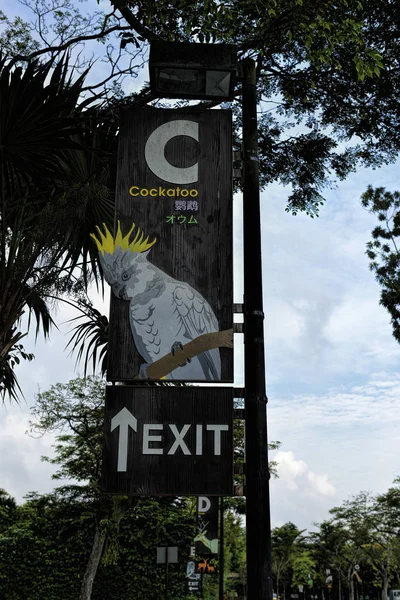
[331,362]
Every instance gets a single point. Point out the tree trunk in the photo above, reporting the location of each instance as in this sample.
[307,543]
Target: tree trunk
[92,566]
[385,574]
[385,585]
[351,590]
[119,507]
[350,579]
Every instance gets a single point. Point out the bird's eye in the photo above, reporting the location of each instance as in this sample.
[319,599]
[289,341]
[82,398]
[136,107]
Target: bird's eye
[125,276]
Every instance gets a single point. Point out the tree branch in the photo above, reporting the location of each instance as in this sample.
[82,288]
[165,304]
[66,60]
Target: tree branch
[69,43]
[203,343]
[135,24]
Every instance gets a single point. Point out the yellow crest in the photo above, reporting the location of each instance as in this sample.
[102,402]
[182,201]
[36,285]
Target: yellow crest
[107,243]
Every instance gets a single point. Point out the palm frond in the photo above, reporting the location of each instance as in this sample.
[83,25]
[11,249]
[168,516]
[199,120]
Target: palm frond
[90,338]
[9,385]
[57,175]
[37,121]
[91,175]
[40,311]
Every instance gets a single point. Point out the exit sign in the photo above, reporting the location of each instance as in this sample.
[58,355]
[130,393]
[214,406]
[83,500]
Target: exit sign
[179,442]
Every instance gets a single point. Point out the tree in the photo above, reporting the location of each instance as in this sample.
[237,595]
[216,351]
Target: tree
[115,524]
[46,541]
[369,522]
[44,549]
[76,411]
[317,57]
[7,509]
[303,568]
[329,549]
[308,58]
[284,542]
[151,523]
[384,249]
[54,187]
[384,553]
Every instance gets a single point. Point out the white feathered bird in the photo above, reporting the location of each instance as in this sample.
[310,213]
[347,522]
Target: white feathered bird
[164,313]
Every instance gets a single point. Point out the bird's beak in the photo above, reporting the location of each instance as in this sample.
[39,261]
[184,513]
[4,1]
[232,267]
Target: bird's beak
[121,293]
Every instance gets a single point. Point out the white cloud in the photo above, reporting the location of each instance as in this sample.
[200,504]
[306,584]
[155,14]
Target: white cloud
[320,484]
[375,403]
[300,495]
[284,324]
[295,475]
[348,438]
[323,318]
[20,465]
[289,468]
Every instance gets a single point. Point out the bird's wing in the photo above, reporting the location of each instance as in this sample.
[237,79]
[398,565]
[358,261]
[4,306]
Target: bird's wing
[146,332]
[195,317]
[177,314]
[195,314]
[146,320]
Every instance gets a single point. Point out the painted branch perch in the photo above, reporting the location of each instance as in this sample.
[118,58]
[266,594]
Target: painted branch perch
[207,341]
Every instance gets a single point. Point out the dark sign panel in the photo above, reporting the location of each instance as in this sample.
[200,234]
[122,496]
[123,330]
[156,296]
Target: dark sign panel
[176,443]
[207,526]
[167,554]
[205,565]
[169,261]
[193,579]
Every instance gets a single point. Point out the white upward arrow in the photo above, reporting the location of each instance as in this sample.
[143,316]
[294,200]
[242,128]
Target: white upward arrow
[124,419]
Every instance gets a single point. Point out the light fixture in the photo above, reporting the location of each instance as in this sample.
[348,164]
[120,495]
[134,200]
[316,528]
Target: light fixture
[194,71]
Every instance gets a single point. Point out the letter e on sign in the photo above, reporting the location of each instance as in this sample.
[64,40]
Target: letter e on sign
[147,438]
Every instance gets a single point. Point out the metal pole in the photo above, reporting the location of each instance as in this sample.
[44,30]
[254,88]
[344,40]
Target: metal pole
[258,527]
[166,573]
[221,549]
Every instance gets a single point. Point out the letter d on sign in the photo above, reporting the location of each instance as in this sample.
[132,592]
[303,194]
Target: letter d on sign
[203,504]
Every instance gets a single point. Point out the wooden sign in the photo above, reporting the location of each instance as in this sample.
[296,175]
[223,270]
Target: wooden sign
[205,566]
[167,554]
[194,582]
[178,442]
[169,260]
[207,538]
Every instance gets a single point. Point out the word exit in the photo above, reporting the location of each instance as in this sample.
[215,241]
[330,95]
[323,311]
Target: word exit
[168,441]
[153,437]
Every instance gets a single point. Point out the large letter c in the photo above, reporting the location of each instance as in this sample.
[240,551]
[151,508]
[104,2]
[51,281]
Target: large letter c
[155,157]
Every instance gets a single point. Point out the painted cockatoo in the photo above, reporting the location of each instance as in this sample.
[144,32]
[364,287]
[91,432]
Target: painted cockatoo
[164,313]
